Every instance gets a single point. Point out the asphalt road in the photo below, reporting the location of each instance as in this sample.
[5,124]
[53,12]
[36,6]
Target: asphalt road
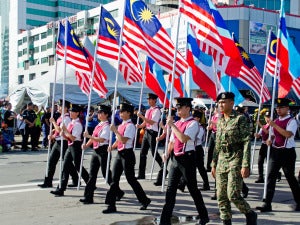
[23,203]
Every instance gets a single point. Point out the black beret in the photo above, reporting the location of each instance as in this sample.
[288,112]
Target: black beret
[104,108]
[126,107]
[152,96]
[282,102]
[183,102]
[197,113]
[75,108]
[225,95]
[67,103]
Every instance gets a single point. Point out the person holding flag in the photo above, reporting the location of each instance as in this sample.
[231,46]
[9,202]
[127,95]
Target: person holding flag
[124,161]
[150,122]
[182,149]
[282,154]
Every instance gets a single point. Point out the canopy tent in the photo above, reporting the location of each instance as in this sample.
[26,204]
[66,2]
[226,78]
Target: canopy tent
[39,91]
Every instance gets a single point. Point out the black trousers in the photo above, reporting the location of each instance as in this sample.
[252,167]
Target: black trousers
[284,158]
[99,159]
[185,166]
[53,159]
[261,158]
[211,148]
[149,141]
[124,161]
[73,154]
[28,131]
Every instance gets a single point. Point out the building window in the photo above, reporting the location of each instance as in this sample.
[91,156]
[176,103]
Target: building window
[43,48]
[43,35]
[31,76]
[36,49]
[20,79]
[26,65]
[51,60]
[44,72]
[44,60]
[24,51]
[24,39]
[49,32]
[80,22]
[20,42]
[20,53]
[36,37]
[49,45]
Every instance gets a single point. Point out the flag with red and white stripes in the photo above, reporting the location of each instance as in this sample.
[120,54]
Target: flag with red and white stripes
[108,48]
[250,75]
[271,57]
[144,32]
[296,87]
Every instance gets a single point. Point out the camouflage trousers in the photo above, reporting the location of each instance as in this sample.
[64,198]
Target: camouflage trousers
[229,186]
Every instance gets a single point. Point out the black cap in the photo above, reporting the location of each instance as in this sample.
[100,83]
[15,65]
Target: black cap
[67,103]
[126,107]
[152,96]
[197,113]
[225,95]
[104,108]
[282,102]
[75,108]
[183,102]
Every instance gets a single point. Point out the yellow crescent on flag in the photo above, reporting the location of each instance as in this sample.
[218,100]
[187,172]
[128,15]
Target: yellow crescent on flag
[272,46]
[74,40]
[131,11]
[110,29]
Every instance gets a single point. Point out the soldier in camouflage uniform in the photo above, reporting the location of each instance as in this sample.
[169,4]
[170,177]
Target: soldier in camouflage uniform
[231,160]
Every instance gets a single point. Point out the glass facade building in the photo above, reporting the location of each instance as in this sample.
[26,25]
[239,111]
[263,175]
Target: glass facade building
[269,4]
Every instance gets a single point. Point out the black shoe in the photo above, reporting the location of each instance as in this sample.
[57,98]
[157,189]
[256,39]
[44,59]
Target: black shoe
[57,192]
[120,196]
[157,183]
[245,192]
[34,150]
[265,208]
[140,177]
[110,209]
[86,201]
[203,221]
[226,222]
[296,208]
[181,187]
[259,181]
[214,197]
[73,185]
[279,177]
[44,185]
[205,188]
[145,205]
[251,218]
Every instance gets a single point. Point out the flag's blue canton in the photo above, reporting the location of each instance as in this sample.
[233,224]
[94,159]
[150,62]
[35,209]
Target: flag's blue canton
[108,26]
[273,45]
[246,59]
[138,12]
[202,4]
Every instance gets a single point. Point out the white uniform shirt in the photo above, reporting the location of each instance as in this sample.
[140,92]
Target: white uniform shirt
[104,133]
[129,133]
[155,117]
[191,131]
[77,129]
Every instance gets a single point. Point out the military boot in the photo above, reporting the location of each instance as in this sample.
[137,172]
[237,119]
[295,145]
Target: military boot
[251,218]
[227,222]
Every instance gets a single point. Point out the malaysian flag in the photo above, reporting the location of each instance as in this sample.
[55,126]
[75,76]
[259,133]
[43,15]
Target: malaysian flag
[213,35]
[271,57]
[108,48]
[250,75]
[143,31]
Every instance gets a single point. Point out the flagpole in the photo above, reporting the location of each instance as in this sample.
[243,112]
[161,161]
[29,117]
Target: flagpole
[52,110]
[260,102]
[171,96]
[273,101]
[140,104]
[89,100]
[207,130]
[159,129]
[63,101]
[115,93]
